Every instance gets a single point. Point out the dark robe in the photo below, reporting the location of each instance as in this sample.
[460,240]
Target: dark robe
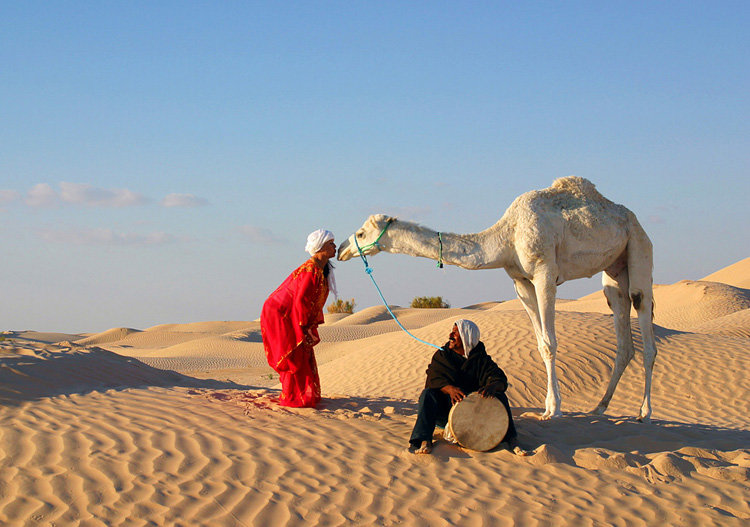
[470,374]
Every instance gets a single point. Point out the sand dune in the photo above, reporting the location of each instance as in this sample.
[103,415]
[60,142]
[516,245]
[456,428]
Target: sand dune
[178,425]
[737,275]
[681,306]
[735,324]
[111,335]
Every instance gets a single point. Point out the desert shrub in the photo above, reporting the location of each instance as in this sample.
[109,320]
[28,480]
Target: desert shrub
[342,306]
[429,301]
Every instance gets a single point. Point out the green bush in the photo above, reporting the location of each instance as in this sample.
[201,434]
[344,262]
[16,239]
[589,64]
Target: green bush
[429,302]
[342,306]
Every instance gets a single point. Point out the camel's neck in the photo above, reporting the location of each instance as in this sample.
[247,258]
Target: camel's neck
[483,250]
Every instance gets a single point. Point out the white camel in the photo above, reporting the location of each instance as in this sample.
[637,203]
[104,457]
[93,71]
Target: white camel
[546,237]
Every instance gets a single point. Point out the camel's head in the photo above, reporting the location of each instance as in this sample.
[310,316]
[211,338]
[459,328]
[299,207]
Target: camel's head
[372,237]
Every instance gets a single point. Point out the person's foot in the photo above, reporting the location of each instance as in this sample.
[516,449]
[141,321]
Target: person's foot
[424,448]
[513,446]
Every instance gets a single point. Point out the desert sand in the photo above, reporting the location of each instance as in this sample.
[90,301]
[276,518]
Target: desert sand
[177,424]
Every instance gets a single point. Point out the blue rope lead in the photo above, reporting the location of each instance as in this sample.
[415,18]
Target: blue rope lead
[368,270]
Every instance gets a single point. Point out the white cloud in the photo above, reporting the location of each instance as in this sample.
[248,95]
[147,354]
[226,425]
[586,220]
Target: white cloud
[105,237]
[260,235]
[8,196]
[183,200]
[83,194]
[41,195]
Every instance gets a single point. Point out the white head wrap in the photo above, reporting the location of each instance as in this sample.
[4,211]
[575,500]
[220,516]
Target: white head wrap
[315,242]
[469,333]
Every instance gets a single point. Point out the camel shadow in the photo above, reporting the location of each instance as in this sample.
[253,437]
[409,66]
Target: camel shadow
[45,373]
[576,431]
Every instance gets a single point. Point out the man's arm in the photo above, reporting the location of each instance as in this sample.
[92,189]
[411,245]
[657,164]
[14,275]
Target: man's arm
[492,380]
[440,372]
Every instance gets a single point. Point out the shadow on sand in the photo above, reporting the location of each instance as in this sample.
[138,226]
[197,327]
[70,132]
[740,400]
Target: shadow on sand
[576,431]
[43,373]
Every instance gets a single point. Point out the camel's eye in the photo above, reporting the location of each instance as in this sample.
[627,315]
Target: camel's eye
[360,235]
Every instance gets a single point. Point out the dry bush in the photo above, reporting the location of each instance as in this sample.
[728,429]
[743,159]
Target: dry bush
[429,302]
[342,306]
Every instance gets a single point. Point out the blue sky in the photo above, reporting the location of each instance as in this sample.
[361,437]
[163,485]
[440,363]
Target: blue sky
[163,162]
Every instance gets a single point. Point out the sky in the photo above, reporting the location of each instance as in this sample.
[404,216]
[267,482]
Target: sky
[163,162]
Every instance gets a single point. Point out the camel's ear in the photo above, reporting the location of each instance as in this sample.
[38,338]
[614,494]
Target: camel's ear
[373,220]
[378,219]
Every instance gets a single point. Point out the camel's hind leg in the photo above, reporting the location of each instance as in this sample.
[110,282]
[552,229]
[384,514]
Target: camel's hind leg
[616,289]
[640,268]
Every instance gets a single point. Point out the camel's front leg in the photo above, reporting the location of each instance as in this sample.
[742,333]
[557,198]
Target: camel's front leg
[539,302]
[616,291]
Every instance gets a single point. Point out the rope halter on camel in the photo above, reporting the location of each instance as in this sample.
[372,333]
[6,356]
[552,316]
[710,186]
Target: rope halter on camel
[368,270]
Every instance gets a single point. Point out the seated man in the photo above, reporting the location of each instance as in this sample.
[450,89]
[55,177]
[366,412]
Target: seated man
[452,374]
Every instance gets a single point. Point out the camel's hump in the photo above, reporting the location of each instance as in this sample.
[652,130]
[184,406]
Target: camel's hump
[578,186]
[567,193]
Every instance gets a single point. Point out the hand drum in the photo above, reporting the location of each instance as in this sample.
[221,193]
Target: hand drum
[478,423]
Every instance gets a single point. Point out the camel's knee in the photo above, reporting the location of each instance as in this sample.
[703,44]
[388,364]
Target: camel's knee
[547,352]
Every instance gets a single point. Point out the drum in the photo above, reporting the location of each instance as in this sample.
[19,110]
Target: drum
[478,423]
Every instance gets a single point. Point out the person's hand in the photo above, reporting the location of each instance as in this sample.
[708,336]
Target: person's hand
[455,393]
[490,390]
[486,392]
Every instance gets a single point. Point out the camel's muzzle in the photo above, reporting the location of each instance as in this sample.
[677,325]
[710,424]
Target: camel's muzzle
[345,253]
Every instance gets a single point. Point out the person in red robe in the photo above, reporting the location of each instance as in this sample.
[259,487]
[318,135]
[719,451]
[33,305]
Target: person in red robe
[290,318]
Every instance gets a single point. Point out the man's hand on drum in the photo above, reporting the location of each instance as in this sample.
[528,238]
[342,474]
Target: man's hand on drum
[491,389]
[455,393]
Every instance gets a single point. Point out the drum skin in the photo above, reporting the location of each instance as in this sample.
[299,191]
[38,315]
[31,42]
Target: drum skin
[478,423]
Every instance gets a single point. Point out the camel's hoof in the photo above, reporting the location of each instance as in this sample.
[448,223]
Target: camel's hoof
[644,418]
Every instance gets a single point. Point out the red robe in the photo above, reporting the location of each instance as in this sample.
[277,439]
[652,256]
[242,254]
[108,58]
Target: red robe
[289,327]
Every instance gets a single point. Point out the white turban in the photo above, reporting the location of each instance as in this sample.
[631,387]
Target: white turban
[469,333]
[315,242]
